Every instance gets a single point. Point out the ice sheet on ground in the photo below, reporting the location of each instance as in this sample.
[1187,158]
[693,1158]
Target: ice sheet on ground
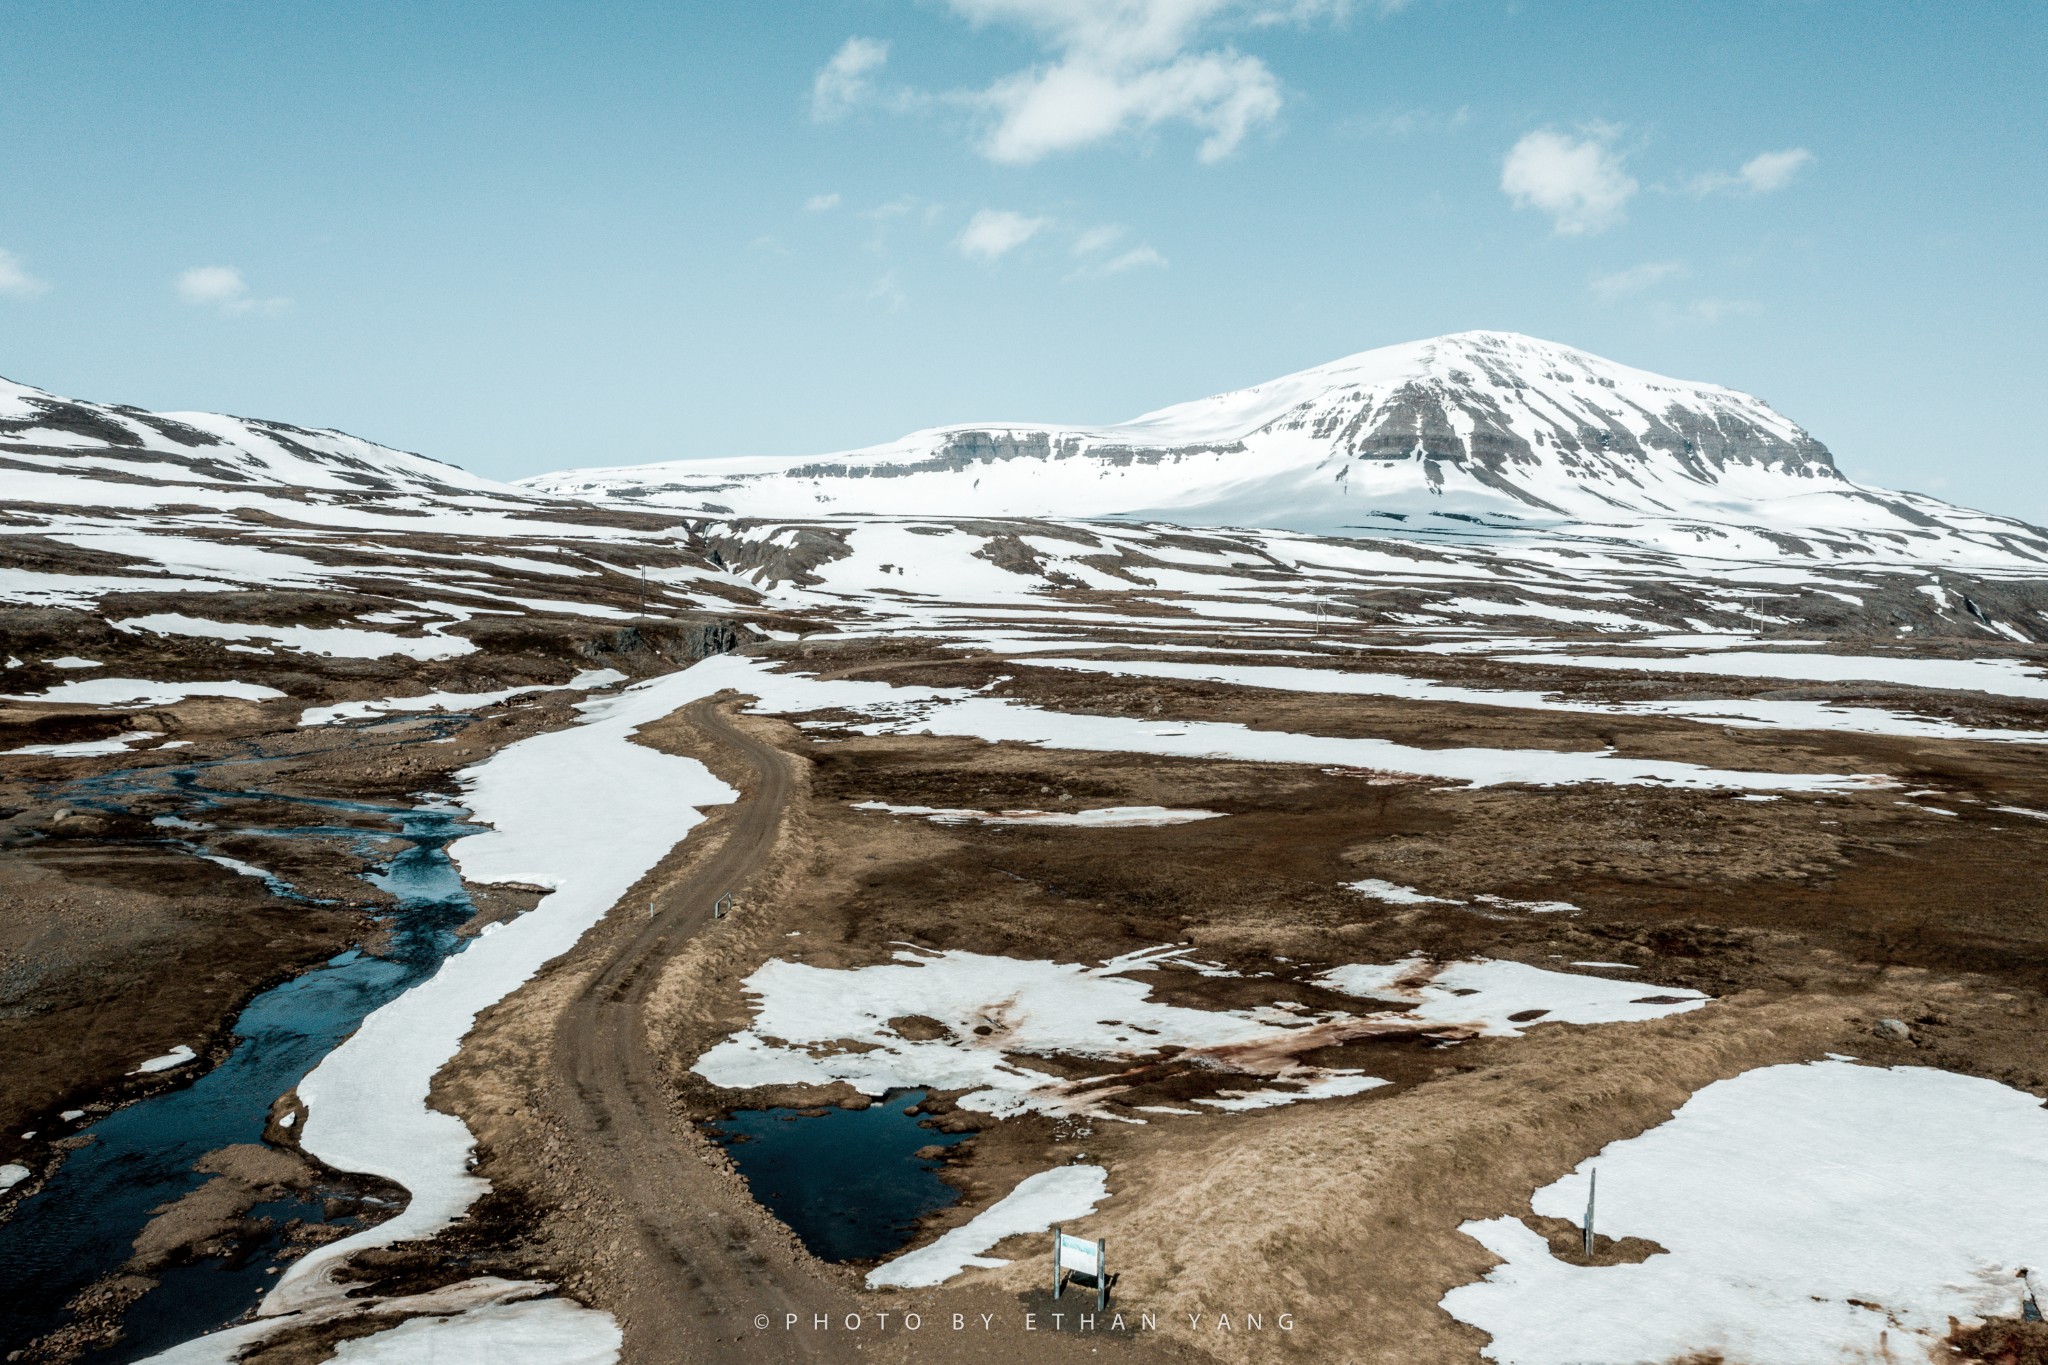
[583,811]
[1500,999]
[176,1057]
[1103,817]
[89,748]
[1741,712]
[1817,1212]
[819,1025]
[589,679]
[1057,1196]
[991,1008]
[73,661]
[140,692]
[1396,894]
[12,1175]
[1999,677]
[332,641]
[955,711]
[533,1332]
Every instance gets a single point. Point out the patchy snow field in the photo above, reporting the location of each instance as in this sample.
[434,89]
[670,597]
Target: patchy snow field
[820,1025]
[1826,1212]
[954,711]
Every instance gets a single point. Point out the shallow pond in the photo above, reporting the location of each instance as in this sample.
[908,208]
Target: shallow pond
[848,1182]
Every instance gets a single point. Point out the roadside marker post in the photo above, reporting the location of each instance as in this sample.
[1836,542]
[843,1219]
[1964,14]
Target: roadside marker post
[1592,1188]
[1079,1256]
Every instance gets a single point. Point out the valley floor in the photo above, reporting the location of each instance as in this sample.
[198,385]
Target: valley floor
[1307,953]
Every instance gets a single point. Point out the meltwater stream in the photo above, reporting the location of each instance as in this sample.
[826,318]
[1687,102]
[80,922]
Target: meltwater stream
[82,1225]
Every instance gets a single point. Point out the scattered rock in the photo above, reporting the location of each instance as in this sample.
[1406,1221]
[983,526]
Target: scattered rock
[1893,1031]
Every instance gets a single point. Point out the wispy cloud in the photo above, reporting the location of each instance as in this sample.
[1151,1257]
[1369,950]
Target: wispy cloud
[1713,310]
[888,291]
[1102,238]
[844,82]
[1140,257]
[1623,283]
[994,233]
[1763,173]
[1396,125]
[821,203]
[1580,182]
[1111,68]
[15,281]
[222,287]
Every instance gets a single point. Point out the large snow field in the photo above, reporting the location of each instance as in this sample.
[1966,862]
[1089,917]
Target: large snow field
[530,1332]
[332,641]
[897,710]
[1755,713]
[1498,998]
[1999,677]
[589,679]
[1825,1212]
[584,812]
[1039,1203]
[140,692]
[1102,817]
[820,1025]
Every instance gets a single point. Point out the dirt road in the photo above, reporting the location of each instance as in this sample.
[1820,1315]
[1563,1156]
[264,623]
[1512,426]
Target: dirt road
[701,1277]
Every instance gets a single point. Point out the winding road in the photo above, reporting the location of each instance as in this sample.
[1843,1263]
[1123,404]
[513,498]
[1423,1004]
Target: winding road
[697,1273]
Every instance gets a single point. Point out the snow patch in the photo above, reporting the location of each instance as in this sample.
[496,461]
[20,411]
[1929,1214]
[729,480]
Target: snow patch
[1040,1201]
[1816,1212]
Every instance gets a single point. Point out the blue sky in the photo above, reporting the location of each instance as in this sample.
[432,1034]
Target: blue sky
[533,236]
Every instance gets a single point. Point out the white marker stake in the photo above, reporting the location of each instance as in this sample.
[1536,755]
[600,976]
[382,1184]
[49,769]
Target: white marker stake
[1592,1188]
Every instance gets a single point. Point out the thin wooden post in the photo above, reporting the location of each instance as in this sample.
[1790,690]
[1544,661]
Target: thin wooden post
[1058,1280]
[1101,1275]
[1592,1188]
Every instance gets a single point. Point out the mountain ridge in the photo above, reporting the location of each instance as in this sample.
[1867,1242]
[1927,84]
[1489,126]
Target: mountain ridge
[1489,427]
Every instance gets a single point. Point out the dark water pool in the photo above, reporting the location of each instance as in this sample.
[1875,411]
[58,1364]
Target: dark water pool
[847,1181]
[82,1225]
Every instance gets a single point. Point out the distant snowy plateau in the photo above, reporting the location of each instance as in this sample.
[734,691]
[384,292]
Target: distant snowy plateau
[1482,479]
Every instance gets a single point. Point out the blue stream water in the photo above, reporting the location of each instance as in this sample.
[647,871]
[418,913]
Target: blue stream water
[82,1225]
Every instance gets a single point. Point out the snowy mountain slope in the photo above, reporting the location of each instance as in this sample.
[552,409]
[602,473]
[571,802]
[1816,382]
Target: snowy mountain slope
[43,433]
[1479,428]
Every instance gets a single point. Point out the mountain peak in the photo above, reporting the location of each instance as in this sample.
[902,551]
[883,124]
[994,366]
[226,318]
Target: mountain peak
[1484,423]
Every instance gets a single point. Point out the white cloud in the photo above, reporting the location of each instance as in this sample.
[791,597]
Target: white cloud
[993,233]
[1761,174]
[222,287]
[1140,257]
[15,281]
[1112,67]
[821,203]
[1120,64]
[1634,280]
[1579,182]
[1769,171]
[842,83]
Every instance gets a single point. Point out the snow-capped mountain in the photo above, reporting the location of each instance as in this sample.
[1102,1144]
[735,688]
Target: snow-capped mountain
[72,440]
[1491,428]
